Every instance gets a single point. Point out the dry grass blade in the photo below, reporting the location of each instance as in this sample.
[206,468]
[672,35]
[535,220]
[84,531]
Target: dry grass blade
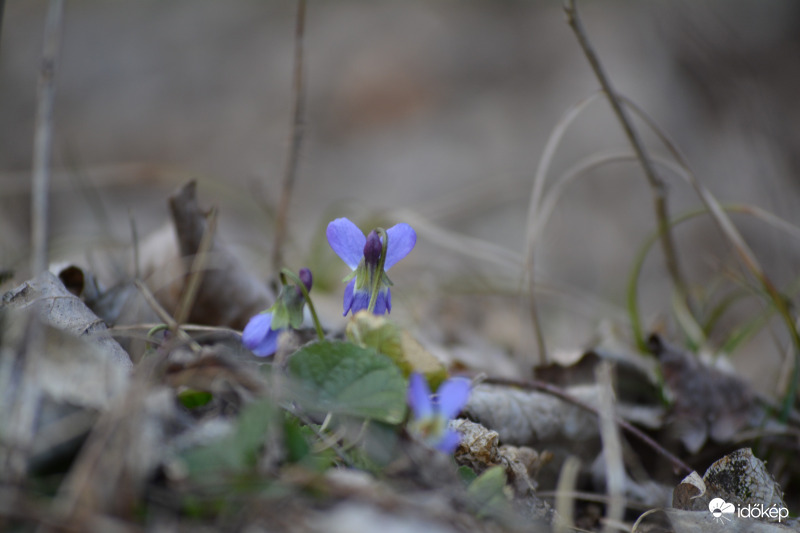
[137,270]
[544,166]
[43,135]
[548,203]
[476,248]
[197,270]
[565,503]
[533,209]
[612,448]
[164,315]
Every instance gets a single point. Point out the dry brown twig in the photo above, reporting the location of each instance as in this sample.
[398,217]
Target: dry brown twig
[164,315]
[656,183]
[43,135]
[295,140]
[2,10]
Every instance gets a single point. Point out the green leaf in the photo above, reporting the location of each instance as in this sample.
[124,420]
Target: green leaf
[237,452]
[192,399]
[466,475]
[343,378]
[487,495]
[368,330]
[294,435]
[299,440]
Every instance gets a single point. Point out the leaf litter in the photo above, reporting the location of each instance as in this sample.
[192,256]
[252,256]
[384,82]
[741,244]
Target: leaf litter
[186,431]
[119,436]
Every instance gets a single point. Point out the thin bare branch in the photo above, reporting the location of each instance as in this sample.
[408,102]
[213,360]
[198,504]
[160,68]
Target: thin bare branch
[656,183]
[2,10]
[295,140]
[164,315]
[43,135]
[137,271]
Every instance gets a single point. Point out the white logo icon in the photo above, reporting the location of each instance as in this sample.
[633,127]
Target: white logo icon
[720,509]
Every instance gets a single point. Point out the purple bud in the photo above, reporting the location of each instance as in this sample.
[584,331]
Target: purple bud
[373,249]
[305,276]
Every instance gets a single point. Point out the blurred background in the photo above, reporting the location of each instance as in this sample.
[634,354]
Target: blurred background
[431,112]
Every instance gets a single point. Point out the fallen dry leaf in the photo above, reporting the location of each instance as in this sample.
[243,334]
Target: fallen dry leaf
[707,403]
[739,478]
[228,295]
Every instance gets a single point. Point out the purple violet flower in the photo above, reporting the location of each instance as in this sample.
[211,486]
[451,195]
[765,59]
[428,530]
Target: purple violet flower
[362,254]
[259,337]
[261,333]
[432,416]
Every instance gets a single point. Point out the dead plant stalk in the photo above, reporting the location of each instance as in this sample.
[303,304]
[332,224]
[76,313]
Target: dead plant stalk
[656,183]
[43,135]
[295,140]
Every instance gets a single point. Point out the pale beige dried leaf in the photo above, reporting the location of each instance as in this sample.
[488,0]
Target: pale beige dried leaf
[531,417]
[56,306]
[690,494]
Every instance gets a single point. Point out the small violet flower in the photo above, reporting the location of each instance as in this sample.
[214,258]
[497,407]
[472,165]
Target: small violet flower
[432,416]
[261,334]
[363,255]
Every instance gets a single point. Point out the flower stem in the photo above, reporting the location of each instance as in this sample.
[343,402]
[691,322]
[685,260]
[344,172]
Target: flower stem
[378,274]
[155,329]
[302,286]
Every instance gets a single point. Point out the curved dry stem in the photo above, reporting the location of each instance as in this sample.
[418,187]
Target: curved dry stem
[579,169]
[543,168]
[533,206]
